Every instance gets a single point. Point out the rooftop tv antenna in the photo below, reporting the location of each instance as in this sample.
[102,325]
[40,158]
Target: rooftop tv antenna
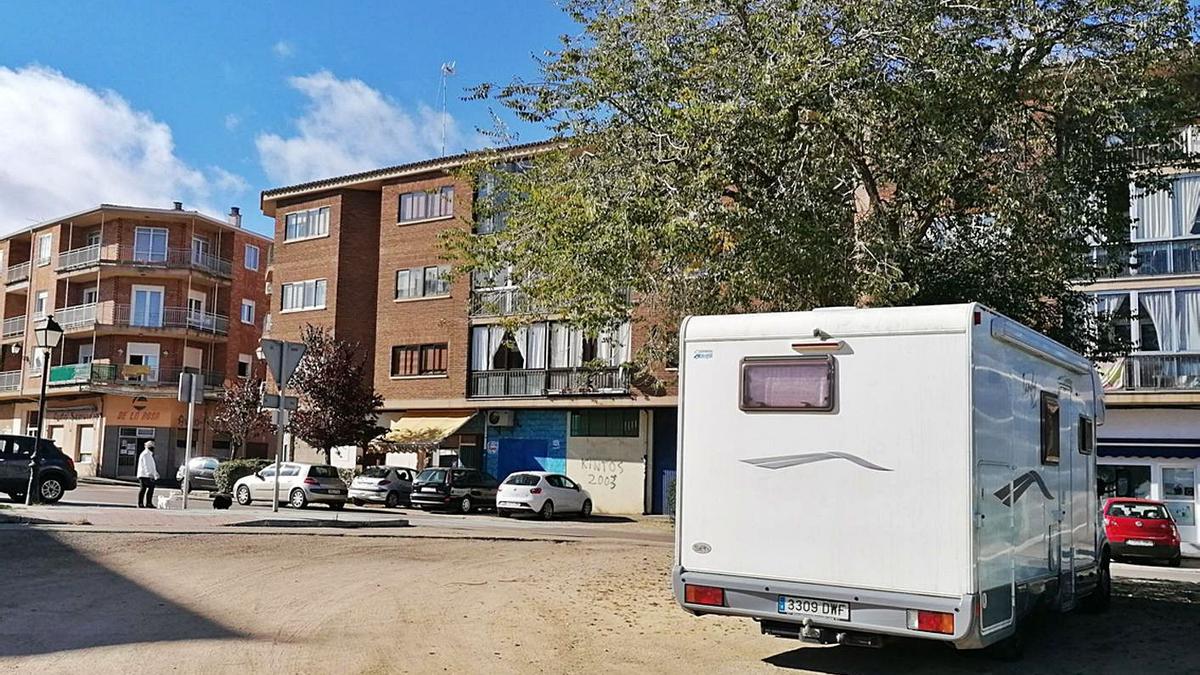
[447,71]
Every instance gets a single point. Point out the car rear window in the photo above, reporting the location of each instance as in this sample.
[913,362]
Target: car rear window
[322,471]
[432,476]
[788,384]
[376,472]
[522,479]
[1143,511]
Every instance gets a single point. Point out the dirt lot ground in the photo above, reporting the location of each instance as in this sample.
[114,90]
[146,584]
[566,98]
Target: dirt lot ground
[125,603]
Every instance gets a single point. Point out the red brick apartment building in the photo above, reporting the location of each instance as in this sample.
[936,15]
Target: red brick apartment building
[360,254]
[143,294]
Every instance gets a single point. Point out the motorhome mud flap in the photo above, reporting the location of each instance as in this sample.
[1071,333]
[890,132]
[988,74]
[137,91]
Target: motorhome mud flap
[826,636]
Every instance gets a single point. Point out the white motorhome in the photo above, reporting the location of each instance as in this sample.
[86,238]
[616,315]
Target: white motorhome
[847,474]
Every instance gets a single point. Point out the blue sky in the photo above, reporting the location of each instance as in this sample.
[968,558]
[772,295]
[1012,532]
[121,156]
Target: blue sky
[212,102]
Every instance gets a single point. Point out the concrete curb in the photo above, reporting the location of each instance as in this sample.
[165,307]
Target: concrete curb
[305,522]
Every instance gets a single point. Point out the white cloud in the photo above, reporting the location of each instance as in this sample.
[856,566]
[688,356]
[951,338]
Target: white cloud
[348,126]
[283,49]
[232,122]
[68,147]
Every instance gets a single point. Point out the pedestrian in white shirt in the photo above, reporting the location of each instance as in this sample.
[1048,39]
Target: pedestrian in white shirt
[147,473]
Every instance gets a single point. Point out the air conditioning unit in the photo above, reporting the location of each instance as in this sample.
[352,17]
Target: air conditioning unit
[500,418]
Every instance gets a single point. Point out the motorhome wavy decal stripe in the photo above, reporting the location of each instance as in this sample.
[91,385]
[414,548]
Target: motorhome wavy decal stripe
[1008,495]
[785,461]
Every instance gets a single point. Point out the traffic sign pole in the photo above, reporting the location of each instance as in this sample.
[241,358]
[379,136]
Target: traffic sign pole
[282,358]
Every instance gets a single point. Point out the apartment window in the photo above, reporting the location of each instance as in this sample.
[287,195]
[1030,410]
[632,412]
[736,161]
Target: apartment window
[40,302]
[1050,413]
[45,243]
[622,422]
[303,295]
[93,238]
[150,244]
[91,295]
[423,282]
[245,361]
[248,311]
[306,224]
[427,204]
[147,306]
[409,360]
[251,257]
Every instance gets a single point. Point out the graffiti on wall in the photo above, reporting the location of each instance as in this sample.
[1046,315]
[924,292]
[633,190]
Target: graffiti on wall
[601,473]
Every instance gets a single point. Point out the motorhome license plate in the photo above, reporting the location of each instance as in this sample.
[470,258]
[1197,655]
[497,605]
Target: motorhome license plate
[811,607]
[1139,542]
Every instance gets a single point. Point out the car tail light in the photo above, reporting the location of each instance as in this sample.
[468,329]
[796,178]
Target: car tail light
[70,463]
[311,481]
[704,595]
[535,491]
[931,622]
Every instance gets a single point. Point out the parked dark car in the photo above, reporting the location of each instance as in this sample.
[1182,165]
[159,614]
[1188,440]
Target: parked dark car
[202,470]
[55,470]
[1141,529]
[462,490]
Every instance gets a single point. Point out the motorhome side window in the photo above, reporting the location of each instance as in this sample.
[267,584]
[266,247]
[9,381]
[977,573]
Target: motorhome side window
[1086,437]
[788,384]
[1050,434]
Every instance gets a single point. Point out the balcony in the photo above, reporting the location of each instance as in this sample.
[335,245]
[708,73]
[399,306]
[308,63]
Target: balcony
[1159,372]
[500,302]
[76,317]
[1180,256]
[10,381]
[79,257]
[550,382]
[1185,144]
[116,375]
[173,258]
[170,317]
[12,328]
[17,273]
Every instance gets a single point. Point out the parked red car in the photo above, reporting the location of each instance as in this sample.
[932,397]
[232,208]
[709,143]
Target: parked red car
[1141,529]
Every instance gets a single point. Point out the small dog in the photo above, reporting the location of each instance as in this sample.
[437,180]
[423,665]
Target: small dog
[222,502]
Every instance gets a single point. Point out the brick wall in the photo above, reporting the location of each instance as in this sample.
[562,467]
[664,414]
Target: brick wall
[357,272]
[440,320]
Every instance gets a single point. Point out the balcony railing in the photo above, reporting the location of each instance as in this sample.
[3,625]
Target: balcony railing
[78,316]
[79,257]
[17,273]
[10,380]
[111,374]
[500,302]
[175,257]
[1160,372]
[170,317]
[549,382]
[1181,256]
[13,328]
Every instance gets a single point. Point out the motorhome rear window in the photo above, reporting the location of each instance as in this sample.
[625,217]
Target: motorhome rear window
[789,383]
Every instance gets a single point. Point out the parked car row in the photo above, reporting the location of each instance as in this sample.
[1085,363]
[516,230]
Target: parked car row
[466,490]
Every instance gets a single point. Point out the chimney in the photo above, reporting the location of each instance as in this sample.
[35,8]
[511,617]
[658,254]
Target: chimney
[178,206]
[235,216]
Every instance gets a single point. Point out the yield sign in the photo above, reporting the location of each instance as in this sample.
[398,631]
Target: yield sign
[282,358]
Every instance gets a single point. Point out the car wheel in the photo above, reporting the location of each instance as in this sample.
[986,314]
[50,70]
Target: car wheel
[547,511]
[357,502]
[243,495]
[50,490]
[337,506]
[586,511]
[465,505]
[1101,597]
[297,499]
[392,500]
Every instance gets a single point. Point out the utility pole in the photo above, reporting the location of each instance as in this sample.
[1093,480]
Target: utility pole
[191,387]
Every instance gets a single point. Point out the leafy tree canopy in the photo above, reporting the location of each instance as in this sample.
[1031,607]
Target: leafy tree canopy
[240,415]
[728,156]
[338,403]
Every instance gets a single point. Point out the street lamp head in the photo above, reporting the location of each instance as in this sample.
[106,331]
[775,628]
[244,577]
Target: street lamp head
[48,334]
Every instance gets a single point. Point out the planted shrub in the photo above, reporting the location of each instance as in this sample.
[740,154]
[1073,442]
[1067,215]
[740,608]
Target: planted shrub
[230,472]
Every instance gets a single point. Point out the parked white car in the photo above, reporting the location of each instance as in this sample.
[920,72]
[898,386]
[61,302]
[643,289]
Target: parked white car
[542,493]
[299,485]
[387,485]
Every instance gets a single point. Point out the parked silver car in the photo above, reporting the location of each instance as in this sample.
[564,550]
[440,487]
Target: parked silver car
[387,485]
[299,485]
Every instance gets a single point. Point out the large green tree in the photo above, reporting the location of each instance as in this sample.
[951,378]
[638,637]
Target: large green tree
[765,155]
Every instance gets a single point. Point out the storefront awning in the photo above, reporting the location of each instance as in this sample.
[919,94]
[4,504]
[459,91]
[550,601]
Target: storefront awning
[420,432]
[1165,448]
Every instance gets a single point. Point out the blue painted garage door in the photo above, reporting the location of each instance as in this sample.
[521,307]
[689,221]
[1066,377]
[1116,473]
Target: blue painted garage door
[522,454]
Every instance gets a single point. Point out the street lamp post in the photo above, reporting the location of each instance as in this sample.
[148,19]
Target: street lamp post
[47,336]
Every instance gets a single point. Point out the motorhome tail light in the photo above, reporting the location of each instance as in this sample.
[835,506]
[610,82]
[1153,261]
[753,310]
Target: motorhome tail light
[704,595]
[535,491]
[931,622]
[311,481]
